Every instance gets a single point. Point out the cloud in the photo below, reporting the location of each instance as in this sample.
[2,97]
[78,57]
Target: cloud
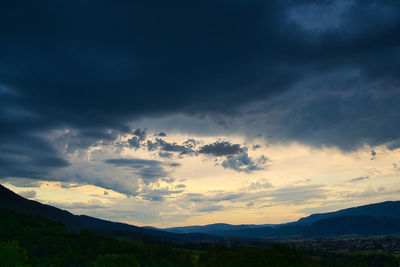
[28,194]
[221,149]
[134,163]
[148,170]
[393,145]
[243,163]
[28,157]
[210,208]
[319,73]
[134,142]
[141,134]
[23,182]
[373,154]
[235,156]
[372,192]
[166,147]
[329,14]
[159,194]
[164,154]
[259,185]
[91,204]
[358,179]
[298,195]
[294,195]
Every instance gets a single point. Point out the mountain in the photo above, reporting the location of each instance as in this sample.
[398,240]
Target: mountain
[329,227]
[215,229]
[390,209]
[11,201]
[374,219]
[353,225]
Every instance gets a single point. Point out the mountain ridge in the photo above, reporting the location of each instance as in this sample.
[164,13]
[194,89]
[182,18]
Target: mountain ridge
[16,203]
[390,209]
[373,219]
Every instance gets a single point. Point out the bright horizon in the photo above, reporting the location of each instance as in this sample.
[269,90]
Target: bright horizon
[199,189]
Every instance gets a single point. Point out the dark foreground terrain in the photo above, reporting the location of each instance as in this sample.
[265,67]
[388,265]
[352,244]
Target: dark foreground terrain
[33,234]
[27,240]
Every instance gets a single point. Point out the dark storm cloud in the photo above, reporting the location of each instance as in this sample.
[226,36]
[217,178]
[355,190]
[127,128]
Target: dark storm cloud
[221,149]
[393,145]
[141,134]
[134,163]
[95,66]
[166,147]
[235,156]
[27,156]
[134,142]
[243,163]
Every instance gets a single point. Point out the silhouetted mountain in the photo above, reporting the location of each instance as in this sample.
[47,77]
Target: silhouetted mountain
[390,209]
[330,227]
[11,201]
[375,219]
[214,229]
[353,225]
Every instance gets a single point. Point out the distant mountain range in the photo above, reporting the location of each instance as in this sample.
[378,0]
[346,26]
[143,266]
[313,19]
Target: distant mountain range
[214,229]
[374,219]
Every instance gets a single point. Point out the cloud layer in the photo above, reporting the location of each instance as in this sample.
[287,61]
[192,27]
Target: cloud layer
[77,74]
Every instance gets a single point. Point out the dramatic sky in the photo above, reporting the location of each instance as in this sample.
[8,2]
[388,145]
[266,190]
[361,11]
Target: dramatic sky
[173,113]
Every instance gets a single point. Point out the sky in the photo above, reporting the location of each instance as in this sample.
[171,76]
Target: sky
[174,113]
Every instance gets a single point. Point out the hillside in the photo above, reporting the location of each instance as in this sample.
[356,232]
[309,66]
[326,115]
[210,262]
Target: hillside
[374,219]
[390,209]
[13,202]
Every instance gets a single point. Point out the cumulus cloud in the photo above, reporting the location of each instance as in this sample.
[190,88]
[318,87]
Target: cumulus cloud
[259,185]
[134,142]
[167,148]
[243,163]
[221,149]
[141,134]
